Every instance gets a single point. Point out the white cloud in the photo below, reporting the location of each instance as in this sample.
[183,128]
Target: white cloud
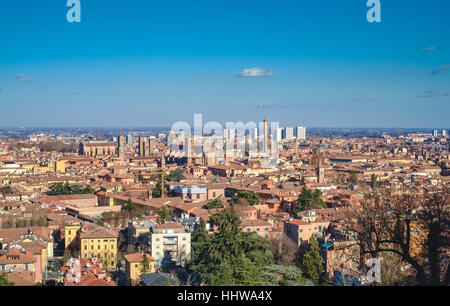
[24,78]
[255,73]
[438,70]
[430,48]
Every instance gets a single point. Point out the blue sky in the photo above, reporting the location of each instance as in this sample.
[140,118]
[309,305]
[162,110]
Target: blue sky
[151,63]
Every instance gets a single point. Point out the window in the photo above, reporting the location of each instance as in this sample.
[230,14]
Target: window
[248,230]
[85,247]
[300,230]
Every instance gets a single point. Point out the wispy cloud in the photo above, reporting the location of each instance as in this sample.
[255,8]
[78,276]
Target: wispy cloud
[430,48]
[402,70]
[206,74]
[255,73]
[272,105]
[24,78]
[438,70]
[363,100]
[433,94]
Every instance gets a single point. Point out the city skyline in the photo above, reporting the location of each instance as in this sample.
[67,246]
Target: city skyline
[152,64]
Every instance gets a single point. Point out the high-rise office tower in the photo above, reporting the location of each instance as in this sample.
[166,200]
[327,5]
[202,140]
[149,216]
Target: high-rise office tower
[170,138]
[231,134]
[288,133]
[151,145]
[121,146]
[279,134]
[435,133]
[444,133]
[129,139]
[301,133]
[141,146]
[254,134]
[266,135]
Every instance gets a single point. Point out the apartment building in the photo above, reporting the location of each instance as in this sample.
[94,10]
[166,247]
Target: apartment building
[170,242]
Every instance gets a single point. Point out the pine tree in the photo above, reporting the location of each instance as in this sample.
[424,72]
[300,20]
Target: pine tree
[163,214]
[312,263]
[144,266]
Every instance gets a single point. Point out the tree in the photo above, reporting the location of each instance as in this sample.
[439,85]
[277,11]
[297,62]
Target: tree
[6,190]
[280,275]
[176,175]
[100,222]
[312,263]
[353,179]
[144,265]
[4,280]
[66,189]
[284,250]
[250,196]
[373,181]
[412,225]
[130,206]
[200,236]
[229,256]
[309,199]
[157,191]
[216,203]
[163,214]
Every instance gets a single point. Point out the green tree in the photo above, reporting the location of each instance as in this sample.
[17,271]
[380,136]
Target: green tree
[130,206]
[66,189]
[100,222]
[309,199]
[176,175]
[163,214]
[353,179]
[229,256]
[373,181]
[144,265]
[216,203]
[156,192]
[4,280]
[279,275]
[312,263]
[200,236]
[251,196]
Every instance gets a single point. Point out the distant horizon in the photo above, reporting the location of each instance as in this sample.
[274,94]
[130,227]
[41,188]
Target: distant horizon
[168,127]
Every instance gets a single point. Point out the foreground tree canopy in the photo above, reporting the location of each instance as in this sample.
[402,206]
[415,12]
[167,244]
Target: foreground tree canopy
[229,256]
[413,227]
